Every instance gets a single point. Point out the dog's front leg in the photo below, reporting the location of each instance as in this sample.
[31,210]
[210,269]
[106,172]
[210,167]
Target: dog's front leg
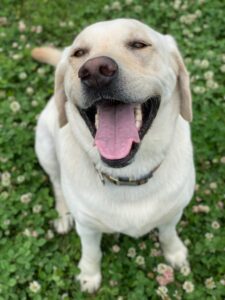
[174,250]
[90,262]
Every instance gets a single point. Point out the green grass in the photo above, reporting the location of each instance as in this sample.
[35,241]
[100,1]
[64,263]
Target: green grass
[28,250]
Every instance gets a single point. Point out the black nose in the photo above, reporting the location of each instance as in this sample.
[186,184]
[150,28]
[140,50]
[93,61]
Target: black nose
[98,71]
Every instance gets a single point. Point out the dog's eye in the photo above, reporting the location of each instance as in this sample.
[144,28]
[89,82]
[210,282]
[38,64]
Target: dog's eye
[137,45]
[79,52]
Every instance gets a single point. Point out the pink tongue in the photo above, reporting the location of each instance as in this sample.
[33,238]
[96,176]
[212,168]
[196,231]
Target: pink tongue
[116,130]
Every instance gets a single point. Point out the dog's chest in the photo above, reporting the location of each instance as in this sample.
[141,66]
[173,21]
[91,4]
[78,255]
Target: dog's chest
[116,209]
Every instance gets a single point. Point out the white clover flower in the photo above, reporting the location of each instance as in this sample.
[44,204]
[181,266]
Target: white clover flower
[222,68]
[26,198]
[140,260]
[209,283]
[177,295]
[184,6]
[199,90]
[61,24]
[39,29]
[215,225]
[187,242]
[161,268]
[3,159]
[34,233]
[3,21]
[15,45]
[34,103]
[6,179]
[162,291]
[211,84]
[142,245]
[176,4]
[22,75]
[116,248]
[23,37]
[208,75]
[41,71]
[188,60]
[197,29]
[70,23]
[65,295]
[50,234]
[27,232]
[116,6]
[188,19]
[197,62]
[198,13]
[21,26]
[16,56]
[113,282]
[223,57]
[34,286]
[209,236]
[27,46]
[155,252]
[15,106]
[7,222]
[20,178]
[120,298]
[138,8]
[222,281]
[2,94]
[37,208]
[4,195]
[106,8]
[29,90]
[213,185]
[204,64]
[188,286]
[201,208]
[131,252]
[128,2]
[185,270]
[222,160]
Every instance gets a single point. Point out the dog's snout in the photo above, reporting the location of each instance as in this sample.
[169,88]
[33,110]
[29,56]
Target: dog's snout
[98,71]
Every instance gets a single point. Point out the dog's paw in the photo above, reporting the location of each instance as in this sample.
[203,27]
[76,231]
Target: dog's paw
[89,283]
[178,257]
[64,223]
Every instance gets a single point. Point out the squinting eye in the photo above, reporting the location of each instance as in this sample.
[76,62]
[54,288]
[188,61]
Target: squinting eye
[79,52]
[138,45]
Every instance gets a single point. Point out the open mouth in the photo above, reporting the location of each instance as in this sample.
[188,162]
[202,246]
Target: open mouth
[119,127]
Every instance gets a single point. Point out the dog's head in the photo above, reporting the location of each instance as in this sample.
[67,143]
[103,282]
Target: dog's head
[118,74]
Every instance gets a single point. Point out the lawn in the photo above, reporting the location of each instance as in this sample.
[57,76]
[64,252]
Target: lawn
[35,262]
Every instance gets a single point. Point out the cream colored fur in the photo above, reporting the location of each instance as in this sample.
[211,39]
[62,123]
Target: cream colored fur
[65,147]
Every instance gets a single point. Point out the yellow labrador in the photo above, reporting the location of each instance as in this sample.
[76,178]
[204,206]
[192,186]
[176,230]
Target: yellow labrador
[115,138]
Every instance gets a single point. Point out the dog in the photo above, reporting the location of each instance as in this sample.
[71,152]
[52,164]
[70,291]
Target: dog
[115,139]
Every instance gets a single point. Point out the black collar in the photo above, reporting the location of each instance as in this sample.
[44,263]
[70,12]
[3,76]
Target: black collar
[127,180]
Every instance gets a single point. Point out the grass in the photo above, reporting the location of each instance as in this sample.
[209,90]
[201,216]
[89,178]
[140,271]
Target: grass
[36,263]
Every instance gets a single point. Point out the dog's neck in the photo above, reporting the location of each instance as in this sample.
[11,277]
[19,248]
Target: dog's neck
[126,181]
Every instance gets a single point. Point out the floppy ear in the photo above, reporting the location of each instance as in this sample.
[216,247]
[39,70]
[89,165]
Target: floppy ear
[60,96]
[183,82]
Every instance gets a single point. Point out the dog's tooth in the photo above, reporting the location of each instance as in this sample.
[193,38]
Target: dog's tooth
[96,121]
[138,124]
[138,117]
[137,106]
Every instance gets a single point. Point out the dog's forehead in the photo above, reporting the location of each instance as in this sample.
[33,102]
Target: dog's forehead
[115,30]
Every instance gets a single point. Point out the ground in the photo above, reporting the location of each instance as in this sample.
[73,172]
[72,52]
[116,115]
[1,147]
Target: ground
[35,262]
